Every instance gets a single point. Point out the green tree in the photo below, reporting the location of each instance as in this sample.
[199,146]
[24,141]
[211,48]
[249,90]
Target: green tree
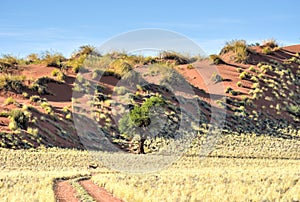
[139,118]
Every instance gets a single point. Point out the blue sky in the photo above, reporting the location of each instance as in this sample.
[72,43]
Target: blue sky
[64,25]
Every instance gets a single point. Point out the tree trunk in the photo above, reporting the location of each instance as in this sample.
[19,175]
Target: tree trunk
[142,146]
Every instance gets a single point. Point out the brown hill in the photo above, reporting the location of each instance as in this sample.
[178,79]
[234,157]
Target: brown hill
[260,95]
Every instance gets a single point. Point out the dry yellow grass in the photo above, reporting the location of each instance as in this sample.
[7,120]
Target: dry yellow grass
[210,179]
[29,175]
[257,169]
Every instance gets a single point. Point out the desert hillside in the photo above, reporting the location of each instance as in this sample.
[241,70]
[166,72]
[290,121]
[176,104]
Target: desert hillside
[40,95]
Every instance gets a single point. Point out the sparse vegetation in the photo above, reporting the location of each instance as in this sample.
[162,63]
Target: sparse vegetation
[11,82]
[58,74]
[245,75]
[294,109]
[25,95]
[178,58]
[239,70]
[269,46]
[260,130]
[18,119]
[37,99]
[83,50]
[9,100]
[239,48]
[79,57]
[215,59]
[239,84]
[40,85]
[33,58]
[267,50]
[8,62]
[232,92]
[270,43]
[53,59]
[190,66]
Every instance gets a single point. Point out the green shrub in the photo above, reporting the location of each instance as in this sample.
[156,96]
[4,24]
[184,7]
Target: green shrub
[33,58]
[37,99]
[4,66]
[79,58]
[232,92]
[239,84]
[180,59]
[255,85]
[228,89]
[252,69]
[9,100]
[53,60]
[78,88]
[11,82]
[120,67]
[69,116]
[294,109]
[254,78]
[18,119]
[239,70]
[267,50]
[266,68]
[76,67]
[190,66]
[40,85]
[271,43]
[55,72]
[215,59]
[245,75]
[44,80]
[239,48]
[9,60]
[83,50]
[25,95]
[33,131]
[12,125]
[58,74]
[46,106]
[294,60]
[66,109]
[4,114]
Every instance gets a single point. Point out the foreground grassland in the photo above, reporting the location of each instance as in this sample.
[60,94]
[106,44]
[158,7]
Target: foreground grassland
[28,175]
[212,179]
[240,168]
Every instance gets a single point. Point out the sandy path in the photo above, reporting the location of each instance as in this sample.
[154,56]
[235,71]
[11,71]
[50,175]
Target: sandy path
[98,193]
[64,192]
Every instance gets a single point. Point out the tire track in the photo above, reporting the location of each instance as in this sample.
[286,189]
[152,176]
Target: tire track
[65,192]
[98,193]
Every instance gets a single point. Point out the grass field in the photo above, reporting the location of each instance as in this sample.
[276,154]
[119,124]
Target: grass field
[240,168]
[212,179]
[29,175]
